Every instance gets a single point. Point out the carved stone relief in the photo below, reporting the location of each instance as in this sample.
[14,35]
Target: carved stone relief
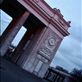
[49,44]
[42,58]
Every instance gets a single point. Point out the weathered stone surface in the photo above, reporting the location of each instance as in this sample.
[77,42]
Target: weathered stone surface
[12,30]
[42,53]
[37,52]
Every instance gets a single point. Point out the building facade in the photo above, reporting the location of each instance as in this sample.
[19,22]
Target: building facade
[46,28]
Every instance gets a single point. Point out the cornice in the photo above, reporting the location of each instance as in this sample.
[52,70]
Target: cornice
[50,15]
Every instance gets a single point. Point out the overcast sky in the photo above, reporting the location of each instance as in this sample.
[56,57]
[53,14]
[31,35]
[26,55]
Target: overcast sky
[69,54]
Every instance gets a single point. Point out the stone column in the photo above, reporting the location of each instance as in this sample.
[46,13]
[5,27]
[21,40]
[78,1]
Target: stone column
[32,47]
[42,53]
[11,31]
[19,49]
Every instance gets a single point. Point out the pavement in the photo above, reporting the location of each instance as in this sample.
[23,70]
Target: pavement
[10,72]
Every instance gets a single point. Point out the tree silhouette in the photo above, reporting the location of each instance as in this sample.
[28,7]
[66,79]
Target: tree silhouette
[77,74]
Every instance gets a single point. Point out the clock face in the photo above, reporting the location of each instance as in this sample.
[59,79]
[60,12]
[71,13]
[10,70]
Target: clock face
[51,42]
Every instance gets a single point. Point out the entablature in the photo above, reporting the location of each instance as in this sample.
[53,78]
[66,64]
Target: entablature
[46,14]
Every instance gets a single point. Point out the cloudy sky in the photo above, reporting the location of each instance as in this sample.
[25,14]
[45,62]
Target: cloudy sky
[69,54]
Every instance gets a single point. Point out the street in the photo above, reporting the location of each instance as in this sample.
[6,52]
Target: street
[10,72]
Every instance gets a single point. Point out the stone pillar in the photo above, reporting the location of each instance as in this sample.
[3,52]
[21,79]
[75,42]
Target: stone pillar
[42,53]
[19,49]
[11,31]
[29,46]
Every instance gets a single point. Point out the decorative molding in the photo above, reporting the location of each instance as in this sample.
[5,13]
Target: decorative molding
[36,1]
[47,14]
[42,58]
